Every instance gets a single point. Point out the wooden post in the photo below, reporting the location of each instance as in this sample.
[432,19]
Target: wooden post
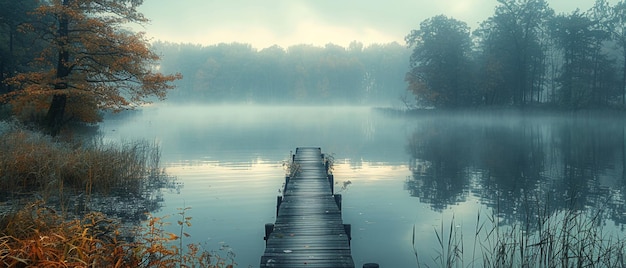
[279,200]
[286,182]
[269,228]
[331,180]
[370,265]
[348,229]
[338,201]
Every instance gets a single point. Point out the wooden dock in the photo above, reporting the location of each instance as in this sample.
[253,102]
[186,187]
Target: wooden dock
[309,230]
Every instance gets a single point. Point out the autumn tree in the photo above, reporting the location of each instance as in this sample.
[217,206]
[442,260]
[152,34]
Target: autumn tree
[92,63]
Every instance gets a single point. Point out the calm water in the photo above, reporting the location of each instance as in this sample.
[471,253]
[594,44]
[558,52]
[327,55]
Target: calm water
[395,174]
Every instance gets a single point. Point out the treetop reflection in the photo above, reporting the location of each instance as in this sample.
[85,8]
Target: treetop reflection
[518,168]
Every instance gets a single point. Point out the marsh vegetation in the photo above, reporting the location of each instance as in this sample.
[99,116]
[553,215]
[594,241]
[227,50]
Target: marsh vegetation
[89,203]
[568,238]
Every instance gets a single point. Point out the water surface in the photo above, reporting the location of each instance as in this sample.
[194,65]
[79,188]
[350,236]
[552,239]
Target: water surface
[397,174]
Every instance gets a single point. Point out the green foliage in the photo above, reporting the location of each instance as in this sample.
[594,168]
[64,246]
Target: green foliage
[580,38]
[523,54]
[440,62]
[18,45]
[511,52]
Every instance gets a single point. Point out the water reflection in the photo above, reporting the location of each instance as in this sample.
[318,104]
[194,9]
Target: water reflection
[518,166]
[230,161]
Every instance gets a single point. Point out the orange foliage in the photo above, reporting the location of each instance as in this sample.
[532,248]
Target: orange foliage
[37,236]
[420,89]
[109,67]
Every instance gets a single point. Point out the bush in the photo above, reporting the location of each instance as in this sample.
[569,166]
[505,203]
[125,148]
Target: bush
[36,236]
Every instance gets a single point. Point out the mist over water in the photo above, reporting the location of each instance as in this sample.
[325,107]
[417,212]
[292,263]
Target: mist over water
[395,173]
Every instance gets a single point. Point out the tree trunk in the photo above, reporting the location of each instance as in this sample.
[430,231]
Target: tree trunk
[56,111]
[4,88]
[623,153]
[7,65]
[624,76]
[54,118]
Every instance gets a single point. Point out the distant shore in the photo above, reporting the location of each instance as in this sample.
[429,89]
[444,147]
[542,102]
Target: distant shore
[504,111]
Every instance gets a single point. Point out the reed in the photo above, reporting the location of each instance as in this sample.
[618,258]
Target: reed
[35,234]
[568,238]
[33,163]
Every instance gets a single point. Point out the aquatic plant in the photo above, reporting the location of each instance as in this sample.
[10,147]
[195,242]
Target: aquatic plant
[568,238]
[329,162]
[291,168]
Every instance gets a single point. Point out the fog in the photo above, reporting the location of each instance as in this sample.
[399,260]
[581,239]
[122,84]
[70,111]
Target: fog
[432,111]
[517,118]
[396,173]
[287,23]
[189,131]
[302,74]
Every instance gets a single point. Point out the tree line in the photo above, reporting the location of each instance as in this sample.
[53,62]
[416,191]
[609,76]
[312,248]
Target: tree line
[524,54]
[332,74]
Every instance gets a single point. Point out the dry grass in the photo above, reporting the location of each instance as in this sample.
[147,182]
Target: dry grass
[31,162]
[37,236]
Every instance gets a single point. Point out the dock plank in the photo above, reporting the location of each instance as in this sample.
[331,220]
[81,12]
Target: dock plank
[309,229]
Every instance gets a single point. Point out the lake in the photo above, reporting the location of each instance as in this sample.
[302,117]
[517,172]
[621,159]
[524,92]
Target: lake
[401,177]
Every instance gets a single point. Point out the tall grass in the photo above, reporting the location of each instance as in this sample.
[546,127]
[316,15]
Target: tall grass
[42,233]
[567,238]
[32,162]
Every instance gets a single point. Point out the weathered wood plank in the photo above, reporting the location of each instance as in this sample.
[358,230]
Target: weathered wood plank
[309,230]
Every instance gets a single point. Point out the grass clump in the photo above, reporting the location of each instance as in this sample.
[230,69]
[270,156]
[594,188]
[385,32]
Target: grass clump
[37,236]
[32,162]
[568,238]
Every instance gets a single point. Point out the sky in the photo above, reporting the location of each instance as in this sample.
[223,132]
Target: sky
[263,23]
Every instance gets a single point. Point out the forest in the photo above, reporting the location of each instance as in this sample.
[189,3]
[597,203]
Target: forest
[304,74]
[523,55]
